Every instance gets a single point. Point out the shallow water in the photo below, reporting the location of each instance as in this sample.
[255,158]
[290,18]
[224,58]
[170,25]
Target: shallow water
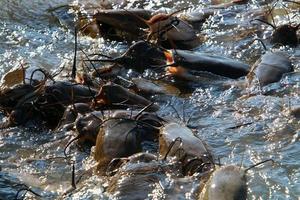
[238,129]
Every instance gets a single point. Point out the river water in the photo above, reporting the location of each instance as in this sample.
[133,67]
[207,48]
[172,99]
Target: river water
[240,130]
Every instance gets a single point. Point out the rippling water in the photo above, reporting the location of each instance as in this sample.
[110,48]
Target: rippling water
[238,129]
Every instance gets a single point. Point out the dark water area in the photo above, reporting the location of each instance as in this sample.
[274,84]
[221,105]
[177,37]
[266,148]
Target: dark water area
[240,129]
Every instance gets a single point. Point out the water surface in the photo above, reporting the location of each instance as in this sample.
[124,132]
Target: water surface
[238,129]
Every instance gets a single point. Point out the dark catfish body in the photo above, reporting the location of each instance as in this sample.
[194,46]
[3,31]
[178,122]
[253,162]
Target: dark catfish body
[9,98]
[118,138]
[272,66]
[143,176]
[191,150]
[228,182]
[122,24]
[211,63]
[285,35]
[137,177]
[57,96]
[197,17]
[71,113]
[113,94]
[140,56]
[88,126]
[68,93]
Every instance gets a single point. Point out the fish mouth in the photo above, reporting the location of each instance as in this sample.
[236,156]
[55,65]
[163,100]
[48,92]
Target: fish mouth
[173,69]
